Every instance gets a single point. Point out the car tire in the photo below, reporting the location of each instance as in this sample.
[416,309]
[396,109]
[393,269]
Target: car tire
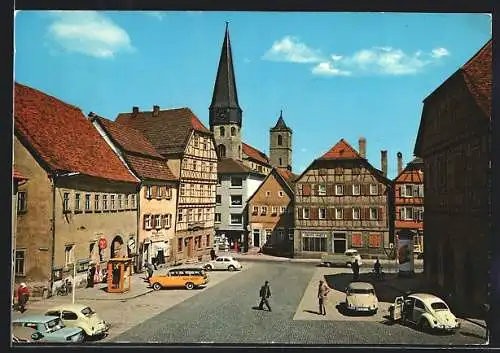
[156,286]
[208,268]
[231,268]
[424,326]
[348,264]
[189,285]
[328,264]
[374,312]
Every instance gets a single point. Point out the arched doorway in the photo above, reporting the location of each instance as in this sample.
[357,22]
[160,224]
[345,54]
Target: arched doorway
[117,248]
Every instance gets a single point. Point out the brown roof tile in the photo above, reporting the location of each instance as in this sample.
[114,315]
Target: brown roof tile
[231,166]
[150,168]
[62,136]
[342,150]
[410,176]
[18,175]
[287,175]
[409,225]
[254,153]
[478,76]
[169,131]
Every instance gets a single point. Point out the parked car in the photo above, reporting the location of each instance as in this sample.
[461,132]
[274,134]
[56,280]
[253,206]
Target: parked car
[361,297]
[82,316]
[187,277]
[49,329]
[223,263]
[22,334]
[426,311]
[345,259]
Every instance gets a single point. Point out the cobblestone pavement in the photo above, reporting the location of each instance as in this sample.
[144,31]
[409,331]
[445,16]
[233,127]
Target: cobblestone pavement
[227,313]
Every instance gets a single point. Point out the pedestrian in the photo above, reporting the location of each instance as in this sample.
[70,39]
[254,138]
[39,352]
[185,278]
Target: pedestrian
[22,297]
[212,254]
[90,276]
[322,293]
[265,294]
[155,263]
[149,269]
[355,270]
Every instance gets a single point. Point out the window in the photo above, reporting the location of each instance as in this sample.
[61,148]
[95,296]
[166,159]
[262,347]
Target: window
[69,315]
[263,210]
[179,245]
[255,210]
[356,240]
[125,197]
[421,215]
[356,189]
[420,305]
[374,240]
[190,215]
[269,232]
[105,202]
[77,202]
[316,243]
[339,189]
[282,210]
[133,202]
[268,193]
[113,205]
[149,191]
[305,213]
[147,221]
[222,151]
[160,192]
[322,213]
[157,221]
[120,203]
[280,140]
[373,213]
[281,235]
[218,199]
[280,193]
[290,234]
[217,218]
[321,189]
[274,210]
[339,213]
[208,240]
[66,202]
[20,265]
[87,202]
[180,217]
[21,202]
[407,213]
[195,166]
[356,213]
[96,203]
[279,162]
[373,189]
[69,255]
[236,181]
[236,218]
[236,200]
[168,192]
[233,131]
[219,180]
[222,131]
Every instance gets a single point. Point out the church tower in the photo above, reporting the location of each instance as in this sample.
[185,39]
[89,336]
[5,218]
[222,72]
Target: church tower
[280,140]
[224,112]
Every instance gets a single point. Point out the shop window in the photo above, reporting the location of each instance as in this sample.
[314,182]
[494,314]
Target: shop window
[20,264]
[314,243]
[356,240]
[374,240]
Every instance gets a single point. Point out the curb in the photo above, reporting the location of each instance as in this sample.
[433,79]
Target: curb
[122,298]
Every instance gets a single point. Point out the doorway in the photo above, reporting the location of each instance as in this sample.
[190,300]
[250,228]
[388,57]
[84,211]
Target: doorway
[256,238]
[116,247]
[339,243]
[189,247]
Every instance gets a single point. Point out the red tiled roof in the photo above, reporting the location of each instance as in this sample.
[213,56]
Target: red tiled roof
[63,138]
[287,175]
[254,153]
[478,76]
[169,131]
[18,175]
[342,150]
[410,176]
[149,167]
[408,225]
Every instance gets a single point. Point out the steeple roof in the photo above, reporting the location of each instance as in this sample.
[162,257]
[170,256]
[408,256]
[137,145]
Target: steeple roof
[225,95]
[280,124]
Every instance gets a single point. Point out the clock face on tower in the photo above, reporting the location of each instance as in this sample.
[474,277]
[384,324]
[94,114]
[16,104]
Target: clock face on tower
[221,114]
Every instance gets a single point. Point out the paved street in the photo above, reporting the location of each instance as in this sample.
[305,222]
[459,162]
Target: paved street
[226,313]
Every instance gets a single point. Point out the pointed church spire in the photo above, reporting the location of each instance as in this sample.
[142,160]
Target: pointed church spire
[225,107]
[280,124]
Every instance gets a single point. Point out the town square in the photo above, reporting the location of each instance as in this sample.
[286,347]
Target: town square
[179,178]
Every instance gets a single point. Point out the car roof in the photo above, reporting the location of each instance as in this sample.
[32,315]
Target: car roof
[73,307]
[426,297]
[360,285]
[225,257]
[185,267]
[38,319]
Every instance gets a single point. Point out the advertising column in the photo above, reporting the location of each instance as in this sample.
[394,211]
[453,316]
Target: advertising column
[405,253]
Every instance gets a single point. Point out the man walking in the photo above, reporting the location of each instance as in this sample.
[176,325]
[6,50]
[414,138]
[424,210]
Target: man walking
[22,297]
[265,294]
[212,254]
[355,270]
[322,293]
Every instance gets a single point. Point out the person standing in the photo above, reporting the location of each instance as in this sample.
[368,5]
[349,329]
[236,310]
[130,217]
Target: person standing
[22,297]
[212,254]
[355,270]
[90,276]
[265,294]
[322,293]
[149,269]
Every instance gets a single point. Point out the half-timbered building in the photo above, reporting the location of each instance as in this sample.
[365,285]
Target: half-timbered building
[341,202]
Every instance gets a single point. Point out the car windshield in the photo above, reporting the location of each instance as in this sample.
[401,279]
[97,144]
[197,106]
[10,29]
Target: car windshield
[54,325]
[87,311]
[361,291]
[439,306]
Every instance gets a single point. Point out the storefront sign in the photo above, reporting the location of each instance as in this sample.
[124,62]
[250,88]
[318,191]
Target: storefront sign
[103,243]
[131,244]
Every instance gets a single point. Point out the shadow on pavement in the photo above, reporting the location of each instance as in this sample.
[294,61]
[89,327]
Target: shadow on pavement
[312,312]
[471,334]
[256,308]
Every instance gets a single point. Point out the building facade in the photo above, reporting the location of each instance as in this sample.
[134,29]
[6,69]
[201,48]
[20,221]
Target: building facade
[341,202]
[157,195]
[70,214]
[280,144]
[18,203]
[256,160]
[236,183]
[409,200]
[454,140]
[270,212]
[180,137]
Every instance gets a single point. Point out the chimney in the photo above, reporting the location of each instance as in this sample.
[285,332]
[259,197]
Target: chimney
[400,162]
[156,110]
[135,110]
[362,147]
[383,157]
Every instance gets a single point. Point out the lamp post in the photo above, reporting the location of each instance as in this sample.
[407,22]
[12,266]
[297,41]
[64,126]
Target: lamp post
[73,291]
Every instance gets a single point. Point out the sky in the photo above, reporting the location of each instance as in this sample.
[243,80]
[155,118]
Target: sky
[334,75]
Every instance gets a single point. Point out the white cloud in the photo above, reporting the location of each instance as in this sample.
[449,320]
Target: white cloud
[156,14]
[88,32]
[439,52]
[290,49]
[326,69]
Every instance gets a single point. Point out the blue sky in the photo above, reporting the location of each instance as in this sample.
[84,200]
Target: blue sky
[335,75]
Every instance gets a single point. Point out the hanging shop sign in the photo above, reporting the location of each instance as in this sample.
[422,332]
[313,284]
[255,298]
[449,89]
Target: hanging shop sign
[103,243]
[131,244]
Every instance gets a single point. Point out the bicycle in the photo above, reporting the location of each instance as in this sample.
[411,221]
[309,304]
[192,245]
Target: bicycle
[380,276]
[65,288]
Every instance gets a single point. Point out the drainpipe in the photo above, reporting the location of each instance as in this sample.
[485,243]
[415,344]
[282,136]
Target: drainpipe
[53,226]
[137,245]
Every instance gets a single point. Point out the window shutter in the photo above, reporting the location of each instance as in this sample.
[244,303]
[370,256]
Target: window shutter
[299,213]
[348,189]
[348,212]
[367,213]
[306,190]
[402,190]
[144,219]
[380,189]
[365,189]
[330,189]
[313,213]
[356,240]
[421,190]
[381,213]
[400,213]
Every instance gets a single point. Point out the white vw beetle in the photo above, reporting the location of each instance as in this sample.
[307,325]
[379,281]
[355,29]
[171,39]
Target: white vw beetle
[426,311]
[82,316]
[223,263]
